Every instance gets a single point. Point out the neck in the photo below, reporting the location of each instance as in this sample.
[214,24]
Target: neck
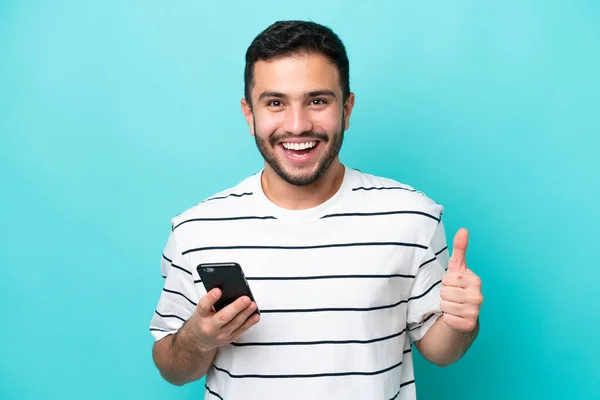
[293,197]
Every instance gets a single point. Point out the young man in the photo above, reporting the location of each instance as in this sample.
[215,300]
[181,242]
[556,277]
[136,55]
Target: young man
[348,269]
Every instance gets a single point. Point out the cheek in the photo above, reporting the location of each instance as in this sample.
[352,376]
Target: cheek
[330,122]
[266,125]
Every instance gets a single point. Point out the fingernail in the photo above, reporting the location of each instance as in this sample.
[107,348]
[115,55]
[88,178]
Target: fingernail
[215,293]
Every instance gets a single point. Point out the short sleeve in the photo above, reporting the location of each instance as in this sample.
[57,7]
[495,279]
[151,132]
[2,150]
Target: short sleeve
[424,300]
[178,298]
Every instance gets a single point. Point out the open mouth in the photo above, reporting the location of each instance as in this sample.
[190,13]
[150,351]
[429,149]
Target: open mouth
[300,150]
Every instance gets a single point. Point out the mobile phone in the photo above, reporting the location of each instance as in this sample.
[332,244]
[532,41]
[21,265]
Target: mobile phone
[229,278]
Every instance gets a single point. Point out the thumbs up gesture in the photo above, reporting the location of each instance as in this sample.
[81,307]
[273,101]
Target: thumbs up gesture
[461,289]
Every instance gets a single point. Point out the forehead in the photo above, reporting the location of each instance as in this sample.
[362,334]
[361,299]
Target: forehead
[296,74]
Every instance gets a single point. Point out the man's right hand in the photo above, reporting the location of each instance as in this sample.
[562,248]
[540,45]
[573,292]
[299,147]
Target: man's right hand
[187,355]
[215,329]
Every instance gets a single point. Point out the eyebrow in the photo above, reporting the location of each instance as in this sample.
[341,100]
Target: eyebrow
[322,92]
[314,93]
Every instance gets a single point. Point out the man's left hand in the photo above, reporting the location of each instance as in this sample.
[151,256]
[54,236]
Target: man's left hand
[461,289]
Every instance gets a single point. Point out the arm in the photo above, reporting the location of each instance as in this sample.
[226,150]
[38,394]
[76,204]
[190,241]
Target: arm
[180,359]
[452,335]
[187,355]
[443,345]
[187,334]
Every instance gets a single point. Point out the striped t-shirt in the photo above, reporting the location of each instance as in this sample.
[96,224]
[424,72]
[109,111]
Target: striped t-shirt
[343,288]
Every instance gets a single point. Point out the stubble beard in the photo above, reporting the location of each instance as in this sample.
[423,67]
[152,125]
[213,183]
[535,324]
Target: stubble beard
[267,150]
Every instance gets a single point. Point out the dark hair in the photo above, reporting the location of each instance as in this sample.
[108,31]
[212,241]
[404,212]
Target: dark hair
[286,38]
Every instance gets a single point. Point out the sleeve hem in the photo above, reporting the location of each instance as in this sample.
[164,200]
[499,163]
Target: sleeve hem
[158,335]
[417,334]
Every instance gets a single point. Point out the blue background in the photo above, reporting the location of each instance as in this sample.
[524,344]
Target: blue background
[117,115]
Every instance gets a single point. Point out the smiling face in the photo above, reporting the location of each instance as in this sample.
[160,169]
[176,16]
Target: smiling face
[298,116]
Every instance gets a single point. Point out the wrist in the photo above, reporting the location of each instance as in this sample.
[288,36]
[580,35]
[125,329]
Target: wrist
[189,338]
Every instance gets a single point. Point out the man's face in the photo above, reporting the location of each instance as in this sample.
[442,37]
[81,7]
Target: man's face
[298,117]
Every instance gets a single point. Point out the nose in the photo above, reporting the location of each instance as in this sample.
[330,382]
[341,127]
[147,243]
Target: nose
[297,120]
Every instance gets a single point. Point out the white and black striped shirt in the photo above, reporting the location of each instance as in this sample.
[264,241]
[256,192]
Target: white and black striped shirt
[343,288]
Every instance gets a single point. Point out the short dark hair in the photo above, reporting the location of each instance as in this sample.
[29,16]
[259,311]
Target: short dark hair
[286,38]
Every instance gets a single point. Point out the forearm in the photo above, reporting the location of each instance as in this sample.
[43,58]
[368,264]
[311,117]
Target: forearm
[179,359]
[443,345]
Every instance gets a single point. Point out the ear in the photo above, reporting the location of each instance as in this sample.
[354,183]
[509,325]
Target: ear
[348,106]
[247,111]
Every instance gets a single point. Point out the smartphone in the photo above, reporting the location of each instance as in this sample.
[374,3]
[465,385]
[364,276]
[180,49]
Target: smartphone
[229,278]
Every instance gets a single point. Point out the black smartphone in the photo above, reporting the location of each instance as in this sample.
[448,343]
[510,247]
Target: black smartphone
[229,278]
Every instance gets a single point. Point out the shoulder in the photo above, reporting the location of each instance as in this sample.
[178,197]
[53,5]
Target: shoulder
[385,192]
[225,203]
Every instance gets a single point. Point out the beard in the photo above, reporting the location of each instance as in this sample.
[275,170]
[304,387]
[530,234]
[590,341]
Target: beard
[301,178]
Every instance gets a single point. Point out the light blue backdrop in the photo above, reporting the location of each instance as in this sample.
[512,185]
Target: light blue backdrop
[117,115]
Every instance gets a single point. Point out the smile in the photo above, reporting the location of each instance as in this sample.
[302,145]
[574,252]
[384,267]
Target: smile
[299,150]
[299,146]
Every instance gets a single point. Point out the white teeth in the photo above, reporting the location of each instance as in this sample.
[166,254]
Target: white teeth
[299,146]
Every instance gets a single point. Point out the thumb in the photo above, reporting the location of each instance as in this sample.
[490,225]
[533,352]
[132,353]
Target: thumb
[459,252]
[206,302]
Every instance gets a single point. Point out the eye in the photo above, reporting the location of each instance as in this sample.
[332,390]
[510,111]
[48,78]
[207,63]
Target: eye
[318,102]
[274,103]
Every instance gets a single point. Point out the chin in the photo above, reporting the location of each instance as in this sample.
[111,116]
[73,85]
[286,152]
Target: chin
[302,176]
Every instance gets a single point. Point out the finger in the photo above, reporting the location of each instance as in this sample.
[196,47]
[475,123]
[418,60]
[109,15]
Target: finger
[459,253]
[471,295]
[454,294]
[458,323]
[450,307]
[228,313]
[456,279]
[206,303]
[253,320]
[239,319]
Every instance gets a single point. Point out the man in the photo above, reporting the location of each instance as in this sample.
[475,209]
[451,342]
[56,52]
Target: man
[347,269]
